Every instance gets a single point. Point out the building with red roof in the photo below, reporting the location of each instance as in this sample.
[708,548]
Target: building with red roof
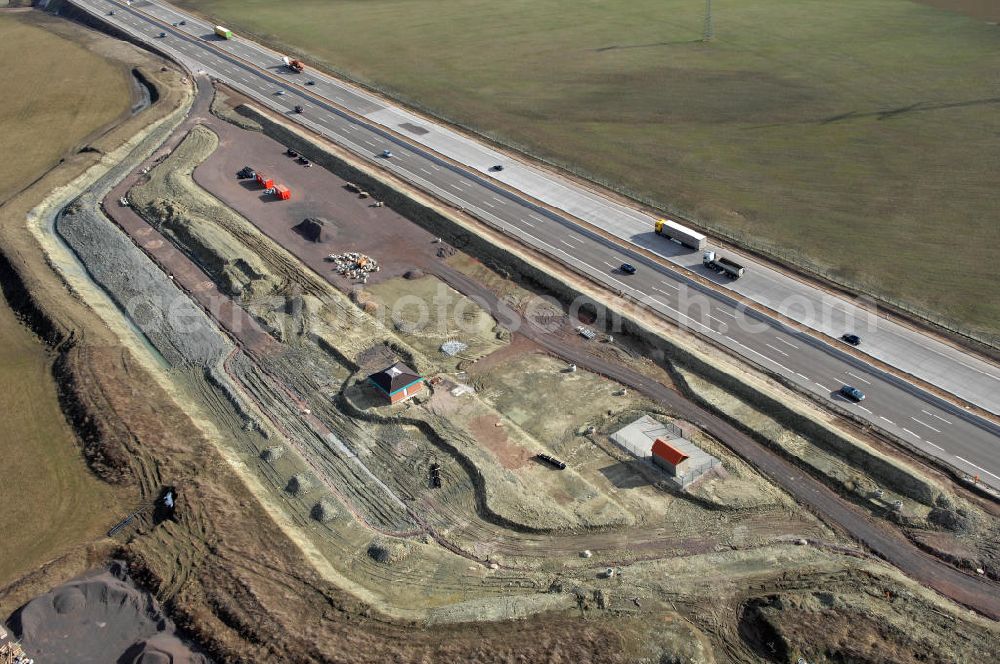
[669,457]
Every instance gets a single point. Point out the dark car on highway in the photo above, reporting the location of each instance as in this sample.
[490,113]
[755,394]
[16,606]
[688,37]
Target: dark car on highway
[852,339]
[627,268]
[852,393]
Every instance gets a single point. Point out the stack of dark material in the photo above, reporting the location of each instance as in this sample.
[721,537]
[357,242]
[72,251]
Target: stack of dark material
[311,229]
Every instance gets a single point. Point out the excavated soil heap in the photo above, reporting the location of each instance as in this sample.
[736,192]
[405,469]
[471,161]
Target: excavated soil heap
[311,229]
[100,617]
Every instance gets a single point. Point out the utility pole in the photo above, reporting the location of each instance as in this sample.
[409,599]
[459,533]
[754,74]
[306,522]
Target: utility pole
[709,33]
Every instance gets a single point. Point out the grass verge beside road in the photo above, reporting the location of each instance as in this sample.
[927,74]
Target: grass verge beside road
[857,139]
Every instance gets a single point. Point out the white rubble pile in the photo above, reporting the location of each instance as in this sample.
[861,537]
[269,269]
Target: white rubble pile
[353,264]
[452,347]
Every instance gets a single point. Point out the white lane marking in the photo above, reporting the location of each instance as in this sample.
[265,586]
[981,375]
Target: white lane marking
[683,315]
[865,409]
[436,168]
[535,217]
[567,244]
[574,238]
[933,415]
[888,420]
[669,285]
[911,433]
[609,265]
[926,425]
[777,350]
[527,223]
[454,186]
[800,375]
[858,377]
[934,445]
[825,388]
[424,170]
[725,313]
[787,343]
[977,467]
[490,204]
[719,320]
[498,200]
[769,359]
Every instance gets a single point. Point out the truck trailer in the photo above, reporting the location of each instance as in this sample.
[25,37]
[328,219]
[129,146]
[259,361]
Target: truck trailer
[282,192]
[225,33]
[681,234]
[721,264]
[264,181]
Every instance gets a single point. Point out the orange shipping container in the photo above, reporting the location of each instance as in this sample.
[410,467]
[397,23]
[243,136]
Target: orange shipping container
[282,192]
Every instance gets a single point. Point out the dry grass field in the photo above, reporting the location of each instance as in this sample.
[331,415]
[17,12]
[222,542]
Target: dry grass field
[50,500]
[859,139]
[56,93]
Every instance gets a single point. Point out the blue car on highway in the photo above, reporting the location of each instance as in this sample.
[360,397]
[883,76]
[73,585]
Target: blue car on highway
[852,393]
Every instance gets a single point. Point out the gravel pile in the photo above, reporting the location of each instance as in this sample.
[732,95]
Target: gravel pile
[174,325]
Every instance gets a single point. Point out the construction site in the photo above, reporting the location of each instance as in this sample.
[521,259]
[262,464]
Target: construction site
[356,425]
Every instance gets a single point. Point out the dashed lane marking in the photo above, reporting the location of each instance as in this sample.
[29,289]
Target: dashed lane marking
[911,433]
[926,425]
[935,416]
[858,377]
[787,343]
[776,350]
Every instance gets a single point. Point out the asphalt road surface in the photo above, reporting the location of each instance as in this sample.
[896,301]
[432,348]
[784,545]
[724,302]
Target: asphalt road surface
[937,427]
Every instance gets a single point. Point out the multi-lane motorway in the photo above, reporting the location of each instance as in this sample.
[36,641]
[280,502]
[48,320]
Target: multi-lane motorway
[457,169]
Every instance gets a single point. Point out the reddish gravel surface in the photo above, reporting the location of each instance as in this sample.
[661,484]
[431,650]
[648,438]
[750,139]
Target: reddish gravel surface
[400,245]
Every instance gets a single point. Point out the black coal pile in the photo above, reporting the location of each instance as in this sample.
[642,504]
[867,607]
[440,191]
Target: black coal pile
[311,229]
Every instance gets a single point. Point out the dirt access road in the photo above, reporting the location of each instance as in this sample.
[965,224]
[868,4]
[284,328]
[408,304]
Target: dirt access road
[275,220]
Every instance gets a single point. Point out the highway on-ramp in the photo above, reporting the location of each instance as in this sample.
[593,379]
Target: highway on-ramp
[367,126]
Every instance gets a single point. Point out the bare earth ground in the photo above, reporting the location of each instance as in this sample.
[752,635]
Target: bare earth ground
[51,502]
[253,574]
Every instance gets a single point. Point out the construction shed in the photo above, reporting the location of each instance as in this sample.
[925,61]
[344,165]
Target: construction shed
[398,382]
[670,458]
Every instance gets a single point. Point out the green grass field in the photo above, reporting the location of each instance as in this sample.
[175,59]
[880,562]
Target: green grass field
[859,138]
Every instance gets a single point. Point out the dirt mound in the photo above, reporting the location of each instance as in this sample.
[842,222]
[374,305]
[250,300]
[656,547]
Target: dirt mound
[59,626]
[414,274]
[299,485]
[323,511]
[311,229]
[389,551]
[273,453]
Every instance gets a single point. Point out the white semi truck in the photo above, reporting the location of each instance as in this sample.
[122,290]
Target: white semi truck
[722,264]
[680,234]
